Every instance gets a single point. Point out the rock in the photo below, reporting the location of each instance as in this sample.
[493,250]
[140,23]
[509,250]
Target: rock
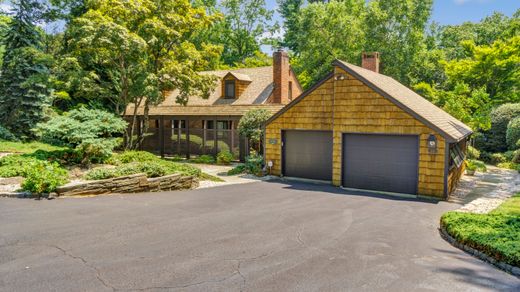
[129,184]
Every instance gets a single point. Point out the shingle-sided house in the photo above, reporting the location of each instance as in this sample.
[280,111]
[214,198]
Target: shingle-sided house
[363,130]
[208,126]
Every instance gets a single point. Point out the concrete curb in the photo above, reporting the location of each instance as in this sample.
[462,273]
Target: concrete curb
[501,265]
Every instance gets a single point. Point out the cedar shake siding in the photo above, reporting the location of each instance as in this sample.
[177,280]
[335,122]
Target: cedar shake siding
[350,105]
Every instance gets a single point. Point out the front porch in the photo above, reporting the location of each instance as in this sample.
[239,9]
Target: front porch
[193,136]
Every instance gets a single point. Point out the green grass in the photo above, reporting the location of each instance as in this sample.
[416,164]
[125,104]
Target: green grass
[29,147]
[497,234]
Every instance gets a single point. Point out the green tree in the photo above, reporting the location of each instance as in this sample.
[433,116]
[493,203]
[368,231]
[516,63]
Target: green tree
[137,50]
[494,67]
[396,29]
[4,21]
[290,10]
[243,29]
[250,126]
[326,32]
[24,83]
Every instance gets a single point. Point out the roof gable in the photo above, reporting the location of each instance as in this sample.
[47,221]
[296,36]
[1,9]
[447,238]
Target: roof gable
[409,101]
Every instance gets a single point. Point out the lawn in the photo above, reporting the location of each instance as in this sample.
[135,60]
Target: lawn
[29,147]
[497,234]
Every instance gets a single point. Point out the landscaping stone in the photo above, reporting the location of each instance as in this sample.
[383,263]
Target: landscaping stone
[128,184]
[484,192]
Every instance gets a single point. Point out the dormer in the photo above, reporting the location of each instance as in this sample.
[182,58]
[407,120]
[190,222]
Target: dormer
[234,84]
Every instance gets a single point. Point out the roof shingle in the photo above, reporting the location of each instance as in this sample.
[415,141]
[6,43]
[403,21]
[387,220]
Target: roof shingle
[411,102]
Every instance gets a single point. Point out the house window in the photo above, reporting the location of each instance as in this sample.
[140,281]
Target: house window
[290,90]
[456,156]
[229,89]
[179,124]
[209,125]
[224,125]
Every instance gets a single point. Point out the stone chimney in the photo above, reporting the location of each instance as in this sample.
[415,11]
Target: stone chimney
[370,61]
[281,71]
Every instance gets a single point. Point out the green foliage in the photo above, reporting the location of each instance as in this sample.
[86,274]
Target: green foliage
[243,30]
[43,177]
[26,147]
[254,164]
[16,165]
[322,32]
[91,132]
[24,86]
[132,156]
[4,21]
[473,165]
[251,124]
[224,157]
[497,234]
[513,133]
[134,49]
[150,168]
[241,168]
[473,153]
[132,162]
[495,138]
[205,159]
[6,135]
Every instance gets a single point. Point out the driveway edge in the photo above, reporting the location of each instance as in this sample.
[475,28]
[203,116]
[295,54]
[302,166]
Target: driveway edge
[482,256]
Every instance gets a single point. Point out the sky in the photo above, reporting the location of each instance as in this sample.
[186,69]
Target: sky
[458,11]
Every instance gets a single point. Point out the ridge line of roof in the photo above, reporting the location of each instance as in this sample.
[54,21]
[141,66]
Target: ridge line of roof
[446,135]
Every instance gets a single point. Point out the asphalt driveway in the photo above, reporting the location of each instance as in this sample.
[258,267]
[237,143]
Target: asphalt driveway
[265,236]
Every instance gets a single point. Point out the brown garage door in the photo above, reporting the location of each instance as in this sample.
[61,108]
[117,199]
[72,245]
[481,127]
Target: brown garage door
[307,154]
[381,162]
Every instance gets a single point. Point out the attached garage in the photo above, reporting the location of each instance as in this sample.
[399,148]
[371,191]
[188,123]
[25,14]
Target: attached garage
[364,130]
[307,154]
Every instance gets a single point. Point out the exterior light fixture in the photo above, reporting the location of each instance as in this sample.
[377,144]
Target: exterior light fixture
[339,76]
[432,144]
[270,165]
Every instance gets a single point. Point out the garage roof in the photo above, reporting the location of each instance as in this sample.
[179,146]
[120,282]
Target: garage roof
[406,99]
[409,101]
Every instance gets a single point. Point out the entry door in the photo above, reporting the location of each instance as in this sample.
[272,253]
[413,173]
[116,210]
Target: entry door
[307,154]
[381,162]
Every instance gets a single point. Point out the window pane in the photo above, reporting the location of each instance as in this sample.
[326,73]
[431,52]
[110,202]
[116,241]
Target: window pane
[230,88]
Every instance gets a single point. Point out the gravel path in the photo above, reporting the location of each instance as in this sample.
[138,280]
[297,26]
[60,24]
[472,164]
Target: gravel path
[485,191]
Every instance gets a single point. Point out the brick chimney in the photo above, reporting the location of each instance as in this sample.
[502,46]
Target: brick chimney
[281,71]
[370,61]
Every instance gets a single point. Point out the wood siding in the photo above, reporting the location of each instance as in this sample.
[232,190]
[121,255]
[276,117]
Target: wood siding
[240,86]
[349,106]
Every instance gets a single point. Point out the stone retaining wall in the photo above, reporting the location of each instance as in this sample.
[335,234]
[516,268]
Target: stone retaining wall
[135,183]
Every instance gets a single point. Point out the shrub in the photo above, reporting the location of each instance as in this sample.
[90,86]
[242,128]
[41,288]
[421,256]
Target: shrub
[516,157]
[224,157]
[207,159]
[241,168]
[254,164]
[513,133]
[496,158]
[92,132]
[150,168]
[508,165]
[474,165]
[43,177]
[251,123]
[6,135]
[135,156]
[473,153]
[500,117]
[15,165]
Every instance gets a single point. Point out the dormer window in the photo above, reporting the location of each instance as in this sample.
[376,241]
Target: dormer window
[230,89]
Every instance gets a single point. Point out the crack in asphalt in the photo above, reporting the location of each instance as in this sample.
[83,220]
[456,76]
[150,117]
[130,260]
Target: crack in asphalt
[98,275]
